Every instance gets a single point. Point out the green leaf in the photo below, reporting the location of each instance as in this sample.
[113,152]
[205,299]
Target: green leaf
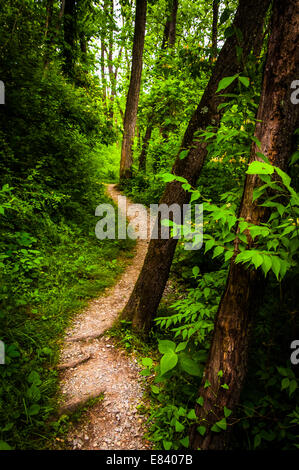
[147,361]
[155,389]
[222,424]
[168,362]
[275,266]
[225,82]
[218,251]
[199,401]
[183,154]
[181,346]
[209,244]
[244,80]
[292,386]
[168,177]
[225,386]
[201,430]
[267,264]
[294,158]
[4,446]
[33,410]
[257,260]
[195,271]
[227,412]
[215,428]
[207,384]
[179,427]
[285,383]
[260,168]
[165,346]
[34,378]
[185,441]
[189,366]
[167,445]
[191,415]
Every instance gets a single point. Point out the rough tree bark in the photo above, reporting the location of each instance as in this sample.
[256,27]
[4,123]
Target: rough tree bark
[134,89]
[215,28]
[148,290]
[277,121]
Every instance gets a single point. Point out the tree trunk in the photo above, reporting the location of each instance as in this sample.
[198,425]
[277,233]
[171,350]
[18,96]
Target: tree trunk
[150,285]
[134,89]
[70,32]
[215,28]
[143,154]
[103,78]
[49,16]
[277,121]
[170,26]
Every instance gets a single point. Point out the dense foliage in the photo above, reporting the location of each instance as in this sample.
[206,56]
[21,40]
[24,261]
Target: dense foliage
[66,76]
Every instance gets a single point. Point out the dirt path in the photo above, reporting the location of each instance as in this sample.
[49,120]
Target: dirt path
[91,365]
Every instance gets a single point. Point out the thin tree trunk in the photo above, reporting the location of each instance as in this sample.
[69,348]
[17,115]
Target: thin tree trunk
[277,121]
[143,154]
[49,15]
[69,29]
[148,290]
[104,96]
[134,89]
[215,28]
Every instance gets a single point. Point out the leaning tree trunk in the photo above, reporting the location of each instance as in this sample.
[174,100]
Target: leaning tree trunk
[148,290]
[277,120]
[215,28]
[134,89]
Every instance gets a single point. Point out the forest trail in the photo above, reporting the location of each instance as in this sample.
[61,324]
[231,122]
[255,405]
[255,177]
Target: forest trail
[91,365]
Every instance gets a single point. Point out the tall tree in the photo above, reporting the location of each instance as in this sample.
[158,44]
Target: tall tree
[134,89]
[150,285]
[277,120]
[70,36]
